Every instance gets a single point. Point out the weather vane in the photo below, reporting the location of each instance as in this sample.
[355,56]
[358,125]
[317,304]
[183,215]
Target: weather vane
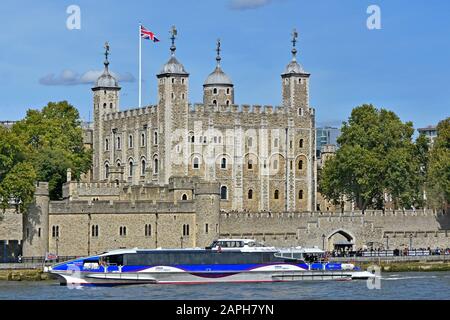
[294,42]
[106,53]
[294,37]
[218,58]
[174,33]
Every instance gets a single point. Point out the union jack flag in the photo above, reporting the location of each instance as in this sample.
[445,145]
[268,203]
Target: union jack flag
[147,34]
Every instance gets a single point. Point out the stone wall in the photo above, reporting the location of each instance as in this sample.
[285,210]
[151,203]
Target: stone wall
[11,225]
[307,229]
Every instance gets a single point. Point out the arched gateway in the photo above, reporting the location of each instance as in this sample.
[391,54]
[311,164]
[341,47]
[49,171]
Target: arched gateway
[340,240]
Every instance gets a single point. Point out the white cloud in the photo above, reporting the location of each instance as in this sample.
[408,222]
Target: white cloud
[248,4]
[70,78]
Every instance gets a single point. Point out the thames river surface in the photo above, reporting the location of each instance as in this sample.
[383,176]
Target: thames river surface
[413,285]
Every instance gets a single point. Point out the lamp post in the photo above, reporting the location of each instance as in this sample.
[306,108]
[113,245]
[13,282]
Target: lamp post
[323,242]
[410,241]
[181,242]
[387,242]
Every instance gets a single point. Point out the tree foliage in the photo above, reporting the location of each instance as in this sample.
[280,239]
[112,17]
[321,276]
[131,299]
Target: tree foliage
[438,178]
[376,156]
[42,147]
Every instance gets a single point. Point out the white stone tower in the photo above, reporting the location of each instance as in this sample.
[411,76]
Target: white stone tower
[300,143]
[173,109]
[106,101]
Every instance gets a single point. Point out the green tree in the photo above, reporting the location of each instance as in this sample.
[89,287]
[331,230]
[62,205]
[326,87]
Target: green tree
[18,186]
[438,178]
[53,141]
[376,155]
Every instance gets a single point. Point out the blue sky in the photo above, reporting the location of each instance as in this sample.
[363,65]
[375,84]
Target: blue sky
[403,67]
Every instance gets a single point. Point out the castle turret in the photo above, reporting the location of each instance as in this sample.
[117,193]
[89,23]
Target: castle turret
[106,101]
[36,223]
[218,88]
[300,173]
[295,83]
[170,136]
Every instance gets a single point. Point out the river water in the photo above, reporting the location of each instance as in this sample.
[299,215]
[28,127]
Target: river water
[411,285]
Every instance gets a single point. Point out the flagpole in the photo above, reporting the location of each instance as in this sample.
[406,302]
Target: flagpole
[140,66]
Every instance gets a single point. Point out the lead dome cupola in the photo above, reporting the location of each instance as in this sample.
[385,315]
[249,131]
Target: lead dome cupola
[218,77]
[294,67]
[106,79]
[173,66]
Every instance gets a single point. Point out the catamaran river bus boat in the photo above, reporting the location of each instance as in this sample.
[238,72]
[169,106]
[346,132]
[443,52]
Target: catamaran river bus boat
[225,260]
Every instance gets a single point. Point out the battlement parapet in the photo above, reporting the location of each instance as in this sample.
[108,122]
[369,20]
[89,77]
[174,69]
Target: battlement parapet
[207,188]
[199,108]
[332,215]
[130,113]
[121,207]
[41,189]
[182,183]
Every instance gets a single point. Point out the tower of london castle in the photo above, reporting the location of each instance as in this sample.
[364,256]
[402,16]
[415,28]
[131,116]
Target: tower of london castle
[261,156]
[177,174]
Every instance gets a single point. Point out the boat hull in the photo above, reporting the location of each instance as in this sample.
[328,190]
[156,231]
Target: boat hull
[129,278]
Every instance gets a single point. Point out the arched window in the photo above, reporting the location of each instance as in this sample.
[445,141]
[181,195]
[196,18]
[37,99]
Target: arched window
[118,163]
[250,194]
[143,167]
[94,231]
[131,168]
[130,141]
[300,194]
[228,102]
[155,138]
[300,112]
[155,167]
[276,195]
[193,139]
[182,81]
[223,193]
[184,197]
[104,106]
[300,165]
[106,170]
[223,164]
[195,163]
[250,164]
[228,90]
[142,139]
[275,164]
[185,230]
[215,102]
[148,230]
[55,231]
[300,143]
[215,91]
[118,143]
[110,105]
[107,145]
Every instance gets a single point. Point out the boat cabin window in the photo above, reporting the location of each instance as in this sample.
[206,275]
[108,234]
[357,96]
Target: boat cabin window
[114,260]
[313,257]
[91,264]
[231,244]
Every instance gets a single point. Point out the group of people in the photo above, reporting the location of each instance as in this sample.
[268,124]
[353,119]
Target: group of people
[379,252]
